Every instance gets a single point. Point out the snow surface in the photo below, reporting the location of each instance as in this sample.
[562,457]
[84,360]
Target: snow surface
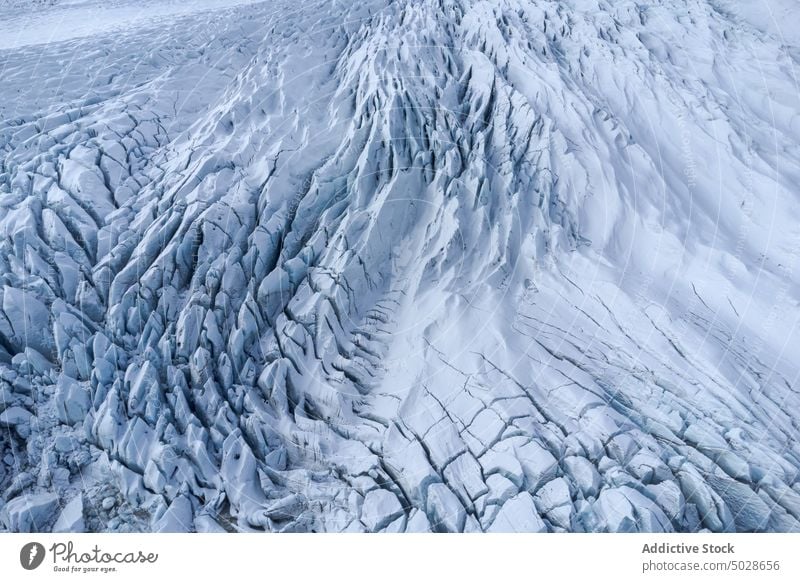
[441,265]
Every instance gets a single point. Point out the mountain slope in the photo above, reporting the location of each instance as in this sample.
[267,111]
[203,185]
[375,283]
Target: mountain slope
[401,266]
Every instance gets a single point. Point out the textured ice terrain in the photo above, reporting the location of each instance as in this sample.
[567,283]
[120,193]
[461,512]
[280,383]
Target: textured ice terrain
[433,265]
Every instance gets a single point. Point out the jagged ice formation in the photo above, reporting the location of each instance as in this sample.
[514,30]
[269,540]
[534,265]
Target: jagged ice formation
[435,265]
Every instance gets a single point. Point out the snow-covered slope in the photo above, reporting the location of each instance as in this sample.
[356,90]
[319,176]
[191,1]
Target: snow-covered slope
[445,265]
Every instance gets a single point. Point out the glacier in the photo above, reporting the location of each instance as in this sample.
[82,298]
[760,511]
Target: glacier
[399,266]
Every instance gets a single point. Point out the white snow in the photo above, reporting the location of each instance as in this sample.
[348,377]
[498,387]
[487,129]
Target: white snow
[458,265]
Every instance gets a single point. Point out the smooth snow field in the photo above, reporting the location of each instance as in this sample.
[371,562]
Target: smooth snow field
[399,265]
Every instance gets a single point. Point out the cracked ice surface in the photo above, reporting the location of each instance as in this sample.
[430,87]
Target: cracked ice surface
[444,265]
